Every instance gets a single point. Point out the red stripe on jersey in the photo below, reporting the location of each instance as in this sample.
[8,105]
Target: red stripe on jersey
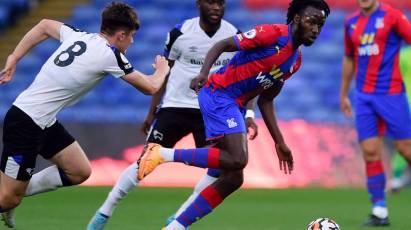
[356,38]
[234,74]
[396,85]
[359,30]
[243,99]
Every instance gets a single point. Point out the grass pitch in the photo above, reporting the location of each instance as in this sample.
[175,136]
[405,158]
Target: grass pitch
[147,208]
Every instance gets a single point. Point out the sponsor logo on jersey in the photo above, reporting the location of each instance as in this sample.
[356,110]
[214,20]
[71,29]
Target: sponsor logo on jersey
[231,123]
[250,34]
[368,48]
[264,81]
[216,63]
[379,23]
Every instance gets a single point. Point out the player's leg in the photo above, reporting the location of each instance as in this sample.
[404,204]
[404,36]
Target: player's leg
[164,132]
[399,166]
[394,109]
[221,116]
[376,180]
[12,192]
[194,120]
[21,143]
[71,164]
[371,128]
[227,183]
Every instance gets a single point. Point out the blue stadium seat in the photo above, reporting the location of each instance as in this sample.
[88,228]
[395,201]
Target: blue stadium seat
[85,15]
[4,16]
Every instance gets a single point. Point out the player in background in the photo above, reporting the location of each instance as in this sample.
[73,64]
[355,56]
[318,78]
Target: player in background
[30,126]
[267,56]
[373,39]
[179,115]
[401,172]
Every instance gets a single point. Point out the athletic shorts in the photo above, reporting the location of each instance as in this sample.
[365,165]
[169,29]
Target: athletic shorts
[172,124]
[23,140]
[221,114]
[379,115]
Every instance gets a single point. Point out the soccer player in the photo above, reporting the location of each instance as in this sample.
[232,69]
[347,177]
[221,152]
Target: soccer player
[179,113]
[372,42]
[30,125]
[401,171]
[267,56]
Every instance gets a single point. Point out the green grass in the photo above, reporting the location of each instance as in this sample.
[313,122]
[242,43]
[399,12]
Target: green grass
[147,208]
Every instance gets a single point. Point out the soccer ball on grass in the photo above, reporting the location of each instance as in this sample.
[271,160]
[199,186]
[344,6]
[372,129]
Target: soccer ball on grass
[323,224]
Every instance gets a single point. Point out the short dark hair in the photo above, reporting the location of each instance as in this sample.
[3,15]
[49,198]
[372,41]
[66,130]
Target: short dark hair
[297,6]
[118,16]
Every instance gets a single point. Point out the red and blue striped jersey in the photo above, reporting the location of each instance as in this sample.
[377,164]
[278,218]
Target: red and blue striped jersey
[374,43]
[266,57]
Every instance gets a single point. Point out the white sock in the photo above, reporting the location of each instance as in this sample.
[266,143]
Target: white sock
[167,154]
[175,225]
[205,181]
[46,180]
[124,185]
[381,212]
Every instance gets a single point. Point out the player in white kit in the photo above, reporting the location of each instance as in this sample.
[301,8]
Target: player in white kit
[178,114]
[30,126]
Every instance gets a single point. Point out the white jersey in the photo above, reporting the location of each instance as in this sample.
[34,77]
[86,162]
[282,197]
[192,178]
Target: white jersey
[187,44]
[81,61]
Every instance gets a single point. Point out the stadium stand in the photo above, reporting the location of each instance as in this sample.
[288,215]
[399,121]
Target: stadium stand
[312,94]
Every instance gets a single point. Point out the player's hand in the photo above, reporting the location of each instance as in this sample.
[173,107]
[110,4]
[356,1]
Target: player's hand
[251,125]
[7,73]
[145,126]
[198,82]
[346,107]
[285,158]
[161,64]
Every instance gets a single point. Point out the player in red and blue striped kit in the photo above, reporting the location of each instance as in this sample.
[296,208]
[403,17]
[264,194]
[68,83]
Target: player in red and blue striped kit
[373,39]
[267,56]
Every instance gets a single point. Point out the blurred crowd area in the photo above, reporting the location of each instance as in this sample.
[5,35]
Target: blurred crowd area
[311,94]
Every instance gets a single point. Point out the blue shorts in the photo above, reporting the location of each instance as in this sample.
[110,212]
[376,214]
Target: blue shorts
[377,115]
[221,114]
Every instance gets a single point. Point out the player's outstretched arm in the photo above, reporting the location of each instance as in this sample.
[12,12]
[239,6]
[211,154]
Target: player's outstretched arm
[149,85]
[226,45]
[347,75]
[155,101]
[40,32]
[265,103]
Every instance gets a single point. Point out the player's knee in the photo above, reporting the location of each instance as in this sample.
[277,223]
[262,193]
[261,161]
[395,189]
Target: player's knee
[370,153]
[9,200]
[234,180]
[80,176]
[404,147]
[239,162]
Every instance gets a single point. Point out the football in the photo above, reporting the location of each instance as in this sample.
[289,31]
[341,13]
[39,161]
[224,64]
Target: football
[323,224]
